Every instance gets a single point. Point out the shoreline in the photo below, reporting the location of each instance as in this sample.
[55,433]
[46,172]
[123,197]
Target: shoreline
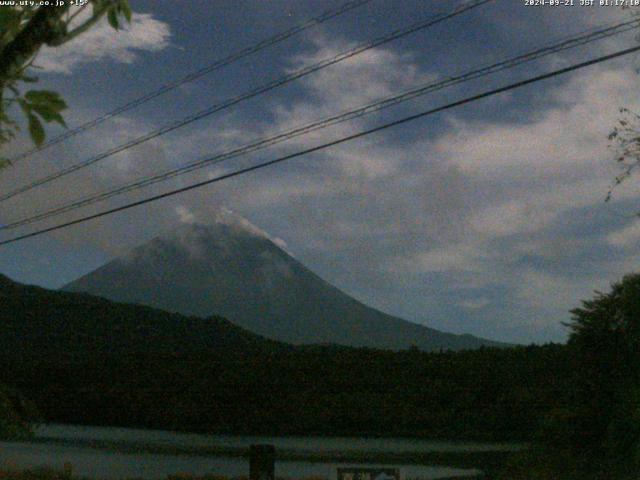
[486,461]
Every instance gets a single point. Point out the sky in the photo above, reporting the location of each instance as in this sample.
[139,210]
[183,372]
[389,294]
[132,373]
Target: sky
[486,219]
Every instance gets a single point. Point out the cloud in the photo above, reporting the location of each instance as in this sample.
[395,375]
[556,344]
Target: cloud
[185,215]
[227,217]
[532,188]
[543,291]
[497,203]
[223,215]
[354,82]
[101,42]
[370,75]
[471,207]
[459,257]
[538,169]
[343,175]
[565,138]
[474,303]
[627,237]
[512,216]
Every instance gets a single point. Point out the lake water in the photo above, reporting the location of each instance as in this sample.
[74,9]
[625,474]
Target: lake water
[105,462]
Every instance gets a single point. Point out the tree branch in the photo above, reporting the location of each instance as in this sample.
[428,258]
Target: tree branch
[80,29]
[41,29]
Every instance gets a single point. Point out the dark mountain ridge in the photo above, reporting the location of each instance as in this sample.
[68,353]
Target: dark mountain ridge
[37,320]
[87,360]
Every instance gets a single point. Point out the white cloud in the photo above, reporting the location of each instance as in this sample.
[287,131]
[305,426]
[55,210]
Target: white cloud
[571,136]
[354,82]
[512,216]
[474,303]
[230,218]
[185,215]
[102,42]
[538,169]
[459,257]
[370,75]
[627,237]
[449,209]
[555,293]
[521,178]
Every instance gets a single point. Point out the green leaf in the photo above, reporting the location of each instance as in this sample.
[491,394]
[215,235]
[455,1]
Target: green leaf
[46,97]
[9,19]
[35,129]
[48,115]
[112,16]
[26,107]
[125,9]
[40,96]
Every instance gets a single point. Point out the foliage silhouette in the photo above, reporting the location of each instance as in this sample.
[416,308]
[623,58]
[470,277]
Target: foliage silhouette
[24,30]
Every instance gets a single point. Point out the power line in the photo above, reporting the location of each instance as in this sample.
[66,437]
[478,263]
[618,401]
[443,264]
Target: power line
[307,151]
[464,7]
[218,64]
[571,42]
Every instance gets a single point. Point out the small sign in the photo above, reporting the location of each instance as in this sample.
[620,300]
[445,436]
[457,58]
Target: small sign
[375,473]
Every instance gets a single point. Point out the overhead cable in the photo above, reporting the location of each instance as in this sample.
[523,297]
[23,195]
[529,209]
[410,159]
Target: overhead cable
[464,7]
[324,146]
[572,42]
[218,64]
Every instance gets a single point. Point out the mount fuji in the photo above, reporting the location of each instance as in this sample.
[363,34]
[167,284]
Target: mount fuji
[234,269]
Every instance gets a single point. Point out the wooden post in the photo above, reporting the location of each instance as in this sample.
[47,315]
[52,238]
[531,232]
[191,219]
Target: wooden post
[262,462]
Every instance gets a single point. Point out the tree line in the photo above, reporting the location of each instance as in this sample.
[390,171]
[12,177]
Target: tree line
[579,403]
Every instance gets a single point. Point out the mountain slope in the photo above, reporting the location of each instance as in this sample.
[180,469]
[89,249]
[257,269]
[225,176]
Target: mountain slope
[234,270]
[35,320]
